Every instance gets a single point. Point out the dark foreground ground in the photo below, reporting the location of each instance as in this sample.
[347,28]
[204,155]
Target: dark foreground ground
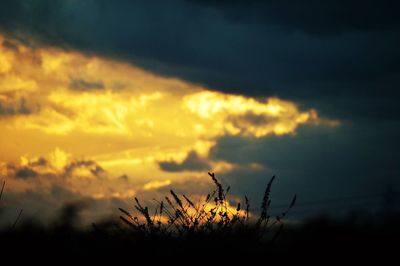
[320,240]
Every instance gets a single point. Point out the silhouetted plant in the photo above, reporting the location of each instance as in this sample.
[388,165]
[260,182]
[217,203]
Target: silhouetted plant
[20,212]
[2,189]
[180,216]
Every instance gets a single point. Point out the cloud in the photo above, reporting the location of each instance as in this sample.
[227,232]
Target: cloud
[316,164]
[38,162]
[58,207]
[192,162]
[25,173]
[84,165]
[309,52]
[61,206]
[55,191]
[126,131]
[83,176]
[10,110]
[193,187]
[82,85]
[278,116]
[156,184]
[111,144]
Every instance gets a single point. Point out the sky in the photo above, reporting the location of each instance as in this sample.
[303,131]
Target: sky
[103,101]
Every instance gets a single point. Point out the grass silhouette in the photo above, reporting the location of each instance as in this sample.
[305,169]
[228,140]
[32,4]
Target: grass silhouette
[178,216]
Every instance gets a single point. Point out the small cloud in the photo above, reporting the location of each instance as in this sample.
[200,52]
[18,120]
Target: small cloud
[192,163]
[119,85]
[22,109]
[41,161]
[124,178]
[84,167]
[10,44]
[251,118]
[85,85]
[193,185]
[6,110]
[25,173]
[156,184]
[58,159]
[245,116]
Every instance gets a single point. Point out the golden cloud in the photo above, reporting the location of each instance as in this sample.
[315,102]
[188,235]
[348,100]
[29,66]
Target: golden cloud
[122,117]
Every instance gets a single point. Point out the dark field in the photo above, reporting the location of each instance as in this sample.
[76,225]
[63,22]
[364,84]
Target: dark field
[219,238]
[319,240]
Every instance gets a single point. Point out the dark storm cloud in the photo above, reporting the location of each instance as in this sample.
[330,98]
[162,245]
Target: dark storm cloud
[316,17]
[83,85]
[191,163]
[351,160]
[328,53]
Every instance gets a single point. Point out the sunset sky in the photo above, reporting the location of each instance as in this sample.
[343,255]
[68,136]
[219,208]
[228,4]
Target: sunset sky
[103,101]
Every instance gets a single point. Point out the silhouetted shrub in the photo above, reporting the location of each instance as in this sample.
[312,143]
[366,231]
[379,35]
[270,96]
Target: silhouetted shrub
[178,216]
